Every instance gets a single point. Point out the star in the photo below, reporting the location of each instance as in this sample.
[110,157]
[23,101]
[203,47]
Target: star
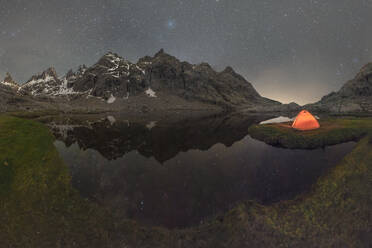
[254,37]
[171,24]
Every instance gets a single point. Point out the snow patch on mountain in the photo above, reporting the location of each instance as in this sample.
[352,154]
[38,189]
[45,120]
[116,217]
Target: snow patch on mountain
[150,93]
[9,82]
[151,125]
[111,119]
[64,90]
[13,86]
[142,70]
[111,99]
[41,80]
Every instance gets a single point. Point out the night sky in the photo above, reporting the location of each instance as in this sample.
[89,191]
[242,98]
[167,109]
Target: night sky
[290,50]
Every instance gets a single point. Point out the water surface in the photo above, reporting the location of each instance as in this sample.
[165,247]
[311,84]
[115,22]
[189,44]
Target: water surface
[179,173]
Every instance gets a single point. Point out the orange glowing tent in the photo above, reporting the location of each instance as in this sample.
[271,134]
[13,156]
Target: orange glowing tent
[305,121]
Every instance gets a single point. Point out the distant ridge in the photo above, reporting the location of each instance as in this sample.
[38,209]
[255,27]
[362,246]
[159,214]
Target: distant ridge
[114,78]
[355,96]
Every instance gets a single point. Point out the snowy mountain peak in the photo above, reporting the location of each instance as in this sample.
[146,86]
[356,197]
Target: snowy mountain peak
[114,78]
[42,83]
[8,81]
[109,59]
[71,75]
[51,71]
[8,78]
[49,74]
[82,69]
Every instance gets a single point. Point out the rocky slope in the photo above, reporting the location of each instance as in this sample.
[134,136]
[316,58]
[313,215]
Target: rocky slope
[354,96]
[9,82]
[11,100]
[160,82]
[45,83]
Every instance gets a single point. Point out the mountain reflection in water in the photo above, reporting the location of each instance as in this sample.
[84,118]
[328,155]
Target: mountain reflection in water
[177,173]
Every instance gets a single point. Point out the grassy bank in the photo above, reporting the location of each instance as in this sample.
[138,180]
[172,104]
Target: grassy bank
[331,132]
[335,213]
[39,208]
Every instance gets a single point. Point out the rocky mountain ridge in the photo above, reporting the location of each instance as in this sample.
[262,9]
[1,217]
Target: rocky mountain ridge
[163,82]
[9,82]
[12,100]
[355,96]
[161,77]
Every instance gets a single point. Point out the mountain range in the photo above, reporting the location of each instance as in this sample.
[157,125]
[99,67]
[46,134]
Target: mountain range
[355,96]
[160,83]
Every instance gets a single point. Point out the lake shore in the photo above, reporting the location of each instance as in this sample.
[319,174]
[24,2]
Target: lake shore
[39,208]
[332,131]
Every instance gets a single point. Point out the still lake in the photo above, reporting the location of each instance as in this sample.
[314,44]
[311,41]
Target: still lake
[178,173]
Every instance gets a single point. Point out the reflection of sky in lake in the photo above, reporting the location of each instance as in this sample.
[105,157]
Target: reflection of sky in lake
[196,184]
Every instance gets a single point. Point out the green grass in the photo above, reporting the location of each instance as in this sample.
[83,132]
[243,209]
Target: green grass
[39,208]
[331,132]
[337,212]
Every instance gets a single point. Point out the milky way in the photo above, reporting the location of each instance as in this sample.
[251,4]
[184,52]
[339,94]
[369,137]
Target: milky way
[290,50]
